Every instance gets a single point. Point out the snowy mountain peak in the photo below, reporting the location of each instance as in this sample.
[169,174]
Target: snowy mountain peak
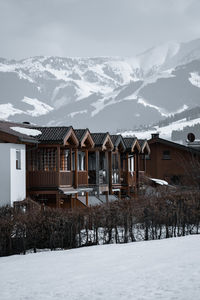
[102,92]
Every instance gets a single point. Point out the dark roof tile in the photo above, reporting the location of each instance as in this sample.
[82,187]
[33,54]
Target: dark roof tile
[52,135]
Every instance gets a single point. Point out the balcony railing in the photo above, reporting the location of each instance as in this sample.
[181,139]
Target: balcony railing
[67,178]
[42,179]
[49,178]
[82,178]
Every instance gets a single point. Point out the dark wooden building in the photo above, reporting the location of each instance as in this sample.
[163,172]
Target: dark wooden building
[175,163]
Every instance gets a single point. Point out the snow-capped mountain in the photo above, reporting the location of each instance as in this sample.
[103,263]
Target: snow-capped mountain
[103,93]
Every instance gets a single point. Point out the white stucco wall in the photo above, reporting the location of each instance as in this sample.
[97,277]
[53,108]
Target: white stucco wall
[17,177]
[12,181]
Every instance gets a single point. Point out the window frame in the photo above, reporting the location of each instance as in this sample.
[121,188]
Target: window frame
[18,159]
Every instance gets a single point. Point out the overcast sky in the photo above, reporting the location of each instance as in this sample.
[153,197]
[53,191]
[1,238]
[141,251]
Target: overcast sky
[94,27]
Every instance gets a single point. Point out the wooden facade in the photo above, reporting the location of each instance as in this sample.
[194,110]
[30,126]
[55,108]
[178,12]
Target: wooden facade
[172,162]
[65,167]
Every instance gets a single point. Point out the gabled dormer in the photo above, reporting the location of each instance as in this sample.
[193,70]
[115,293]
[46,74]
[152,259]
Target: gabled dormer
[118,142]
[132,144]
[145,149]
[84,137]
[103,141]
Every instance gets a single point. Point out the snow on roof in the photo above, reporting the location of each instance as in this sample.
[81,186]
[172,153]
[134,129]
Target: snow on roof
[159,181]
[27,131]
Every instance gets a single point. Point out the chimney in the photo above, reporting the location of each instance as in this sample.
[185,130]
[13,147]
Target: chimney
[155,135]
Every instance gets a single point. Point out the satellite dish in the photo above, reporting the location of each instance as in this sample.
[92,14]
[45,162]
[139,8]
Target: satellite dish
[191,137]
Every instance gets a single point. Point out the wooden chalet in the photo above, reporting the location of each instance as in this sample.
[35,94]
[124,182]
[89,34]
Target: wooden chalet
[143,155]
[71,168]
[132,165]
[98,160]
[57,170]
[175,163]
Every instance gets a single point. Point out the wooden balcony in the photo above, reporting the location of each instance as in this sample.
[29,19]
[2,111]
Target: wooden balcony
[38,179]
[82,178]
[66,178]
[42,179]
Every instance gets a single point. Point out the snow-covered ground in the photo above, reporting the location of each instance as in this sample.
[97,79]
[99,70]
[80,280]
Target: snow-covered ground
[164,269]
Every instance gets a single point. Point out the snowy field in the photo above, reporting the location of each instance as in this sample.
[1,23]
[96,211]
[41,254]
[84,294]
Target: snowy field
[165,269]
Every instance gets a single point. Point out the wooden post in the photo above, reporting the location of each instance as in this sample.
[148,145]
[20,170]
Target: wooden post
[86,198]
[137,171]
[58,165]
[76,169]
[86,164]
[110,171]
[97,171]
[71,164]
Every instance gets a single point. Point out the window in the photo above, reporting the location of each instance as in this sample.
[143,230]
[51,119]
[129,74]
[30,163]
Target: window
[18,159]
[115,161]
[166,154]
[65,160]
[81,160]
[131,166]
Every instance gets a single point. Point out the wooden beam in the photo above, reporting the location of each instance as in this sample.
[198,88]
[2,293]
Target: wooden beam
[86,164]
[76,169]
[58,165]
[110,171]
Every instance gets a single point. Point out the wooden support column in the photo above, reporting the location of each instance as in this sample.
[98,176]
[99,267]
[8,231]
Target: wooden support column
[71,162]
[86,164]
[86,198]
[76,169]
[107,167]
[127,174]
[110,171]
[97,171]
[137,171]
[58,165]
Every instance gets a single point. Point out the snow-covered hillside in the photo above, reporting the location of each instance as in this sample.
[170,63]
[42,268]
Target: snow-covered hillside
[102,92]
[164,131]
[162,269]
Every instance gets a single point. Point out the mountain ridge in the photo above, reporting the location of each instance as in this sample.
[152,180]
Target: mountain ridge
[102,92]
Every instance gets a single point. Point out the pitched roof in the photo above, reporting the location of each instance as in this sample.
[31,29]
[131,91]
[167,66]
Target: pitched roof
[117,139]
[51,135]
[102,139]
[80,133]
[144,144]
[99,138]
[172,144]
[130,142]
[22,137]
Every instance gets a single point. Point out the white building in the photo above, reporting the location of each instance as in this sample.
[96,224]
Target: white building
[12,173]
[14,139]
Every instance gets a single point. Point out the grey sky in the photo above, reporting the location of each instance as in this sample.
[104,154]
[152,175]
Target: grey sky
[94,27]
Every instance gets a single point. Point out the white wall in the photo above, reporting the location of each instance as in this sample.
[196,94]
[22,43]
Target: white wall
[17,177]
[12,181]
